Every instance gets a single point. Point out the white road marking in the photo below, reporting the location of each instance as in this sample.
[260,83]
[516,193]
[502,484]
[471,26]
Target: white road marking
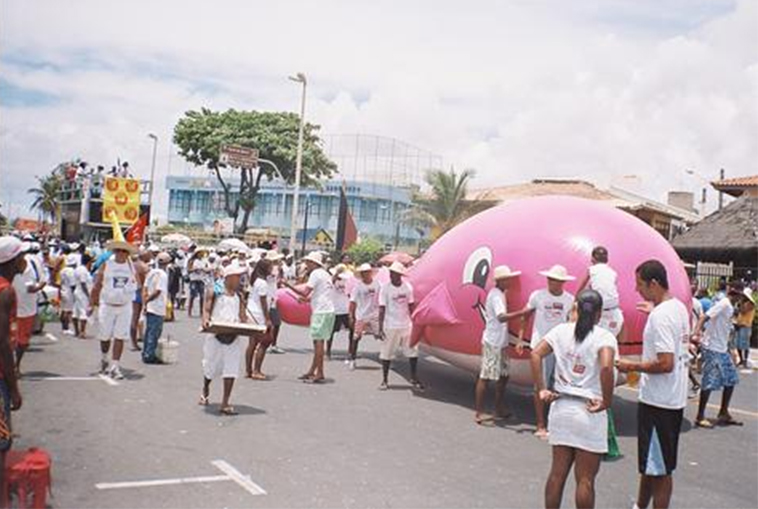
[242,480]
[107,380]
[64,379]
[51,337]
[161,482]
[710,405]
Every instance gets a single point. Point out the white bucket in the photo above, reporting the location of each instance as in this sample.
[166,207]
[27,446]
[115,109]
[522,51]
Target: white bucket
[167,351]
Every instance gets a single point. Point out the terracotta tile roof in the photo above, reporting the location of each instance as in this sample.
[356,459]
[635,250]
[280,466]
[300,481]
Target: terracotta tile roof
[751,181]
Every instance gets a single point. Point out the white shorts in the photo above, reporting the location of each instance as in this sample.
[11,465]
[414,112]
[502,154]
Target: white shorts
[115,321]
[81,303]
[369,326]
[571,425]
[612,320]
[397,339]
[220,360]
[67,301]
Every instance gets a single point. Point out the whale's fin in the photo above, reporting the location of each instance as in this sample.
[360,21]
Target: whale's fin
[436,308]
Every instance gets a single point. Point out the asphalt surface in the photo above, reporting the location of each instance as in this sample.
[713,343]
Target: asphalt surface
[341,444]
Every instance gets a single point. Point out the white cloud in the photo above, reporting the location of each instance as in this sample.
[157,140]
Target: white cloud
[516,90]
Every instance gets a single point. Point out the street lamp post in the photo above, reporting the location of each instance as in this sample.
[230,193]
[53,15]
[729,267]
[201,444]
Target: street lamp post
[152,172]
[305,223]
[299,78]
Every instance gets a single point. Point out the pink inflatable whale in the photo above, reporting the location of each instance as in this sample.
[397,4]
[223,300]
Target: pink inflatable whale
[453,277]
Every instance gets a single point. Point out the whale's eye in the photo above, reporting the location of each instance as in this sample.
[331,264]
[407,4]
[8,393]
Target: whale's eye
[477,268]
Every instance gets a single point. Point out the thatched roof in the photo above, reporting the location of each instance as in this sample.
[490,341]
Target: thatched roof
[731,232]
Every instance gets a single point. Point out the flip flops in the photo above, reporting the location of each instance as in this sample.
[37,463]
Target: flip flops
[728,421]
[228,410]
[703,423]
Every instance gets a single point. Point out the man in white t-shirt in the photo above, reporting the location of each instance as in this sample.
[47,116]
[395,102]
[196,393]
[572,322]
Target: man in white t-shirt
[341,300]
[494,342]
[364,309]
[155,297]
[663,384]
[719,371]
[550,306]
[396,305]
[84,282]
[602,278]
[319,290]
[66,293]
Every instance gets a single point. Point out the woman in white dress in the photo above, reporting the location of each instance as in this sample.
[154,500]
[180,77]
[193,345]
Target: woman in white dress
[584,379]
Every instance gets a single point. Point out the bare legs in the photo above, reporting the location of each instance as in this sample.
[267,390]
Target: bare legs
[658,489]
[586,465]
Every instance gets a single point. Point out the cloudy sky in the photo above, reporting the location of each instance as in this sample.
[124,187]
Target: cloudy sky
[517,89]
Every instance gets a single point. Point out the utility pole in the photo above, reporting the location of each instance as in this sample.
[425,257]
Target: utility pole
[721,194]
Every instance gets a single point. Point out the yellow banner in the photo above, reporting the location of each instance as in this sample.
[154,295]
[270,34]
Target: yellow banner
[122,197]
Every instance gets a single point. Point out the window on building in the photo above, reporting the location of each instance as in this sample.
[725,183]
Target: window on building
[369,210]
[385,211]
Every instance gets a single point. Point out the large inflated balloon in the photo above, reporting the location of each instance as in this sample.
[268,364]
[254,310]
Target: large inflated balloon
[453,277]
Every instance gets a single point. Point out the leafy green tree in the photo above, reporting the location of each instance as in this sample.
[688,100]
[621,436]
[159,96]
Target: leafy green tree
[46,194]
[200,135]
[366,251]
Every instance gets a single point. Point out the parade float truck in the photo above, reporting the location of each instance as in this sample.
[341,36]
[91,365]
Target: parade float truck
[85,204]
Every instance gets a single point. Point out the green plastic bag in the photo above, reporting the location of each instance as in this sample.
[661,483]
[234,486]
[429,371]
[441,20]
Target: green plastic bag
[613,446]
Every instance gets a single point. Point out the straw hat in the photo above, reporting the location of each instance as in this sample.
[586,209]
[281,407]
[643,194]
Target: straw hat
[504,272]
[398,268]
[120,245]
[274,255]
[557,272]
[364,267]
[314,257]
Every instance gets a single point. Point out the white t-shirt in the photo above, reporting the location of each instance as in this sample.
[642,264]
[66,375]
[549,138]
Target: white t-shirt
[549,310]
[289,272]
[603,281]
[396,300]
[26,303]
[272,282]
[719,326]
[83,277]
[321,297]
[157,279]
[495,331]
[199,270]
[340,297]
[667,331]
[226,308]
[577,364]
[259,289]
[68,280]
[366,298]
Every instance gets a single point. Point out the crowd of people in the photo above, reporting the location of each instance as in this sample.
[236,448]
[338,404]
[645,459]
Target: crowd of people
[131,291]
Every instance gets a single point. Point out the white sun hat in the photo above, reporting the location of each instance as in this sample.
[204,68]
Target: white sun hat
[398,268]
[234,269]
[504,272]
[364,267]
[748,293]
[274,255]
[10,247]
[315,257]
[557,272]
[72,260]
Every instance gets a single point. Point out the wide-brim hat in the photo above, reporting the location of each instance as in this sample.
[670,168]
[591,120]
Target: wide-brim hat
[398,268]
[274,256]
[505,272]
[364,267]
[120,245]
[163,258]
[557,272]
[315,258]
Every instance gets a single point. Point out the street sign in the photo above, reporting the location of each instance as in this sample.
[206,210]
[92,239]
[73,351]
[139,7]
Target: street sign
[239,157]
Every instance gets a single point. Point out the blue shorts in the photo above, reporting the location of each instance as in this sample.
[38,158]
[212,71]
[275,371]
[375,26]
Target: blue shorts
[197,289]
[718,371]
[137,297]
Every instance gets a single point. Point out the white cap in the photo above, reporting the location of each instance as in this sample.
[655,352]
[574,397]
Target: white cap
[72,260]
[234,269]
[10,247]
[557,272]
[364,267]
[748,293]
[397,268]
[503,272]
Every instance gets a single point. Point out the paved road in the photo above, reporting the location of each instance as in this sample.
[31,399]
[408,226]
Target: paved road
[342,444]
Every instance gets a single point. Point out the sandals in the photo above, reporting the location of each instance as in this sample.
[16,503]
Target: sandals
[416,384]
[484,419]
[257,376]
[305,377]
[203,400]
[728,420]
[228,410]
[384,386]
[703,423]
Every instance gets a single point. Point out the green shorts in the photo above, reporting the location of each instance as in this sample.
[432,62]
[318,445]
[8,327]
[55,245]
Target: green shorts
[322,325]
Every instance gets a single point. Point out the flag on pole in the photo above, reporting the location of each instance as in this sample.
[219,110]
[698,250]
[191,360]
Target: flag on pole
[347,233]
[136,232]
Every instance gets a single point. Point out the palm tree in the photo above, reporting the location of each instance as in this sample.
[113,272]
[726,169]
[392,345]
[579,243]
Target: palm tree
[46,195]
[446,205]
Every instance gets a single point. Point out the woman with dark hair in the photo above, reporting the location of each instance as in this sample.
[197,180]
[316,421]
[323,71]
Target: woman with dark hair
[583,390]
[259,310]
